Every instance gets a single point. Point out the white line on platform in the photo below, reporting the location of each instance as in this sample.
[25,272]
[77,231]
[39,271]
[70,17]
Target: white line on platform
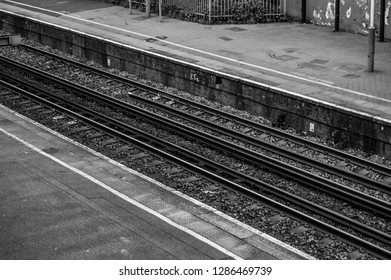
[212,54]
[124,197]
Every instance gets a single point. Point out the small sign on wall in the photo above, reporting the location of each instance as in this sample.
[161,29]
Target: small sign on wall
[312,127]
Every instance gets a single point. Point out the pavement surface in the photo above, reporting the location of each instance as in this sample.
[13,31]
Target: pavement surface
[301,59]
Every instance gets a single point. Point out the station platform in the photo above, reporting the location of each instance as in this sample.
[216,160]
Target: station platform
[60,200]
[303,59]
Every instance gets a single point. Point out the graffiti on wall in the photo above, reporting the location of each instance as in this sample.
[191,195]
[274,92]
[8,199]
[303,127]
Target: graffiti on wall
[325,16]
[354,14]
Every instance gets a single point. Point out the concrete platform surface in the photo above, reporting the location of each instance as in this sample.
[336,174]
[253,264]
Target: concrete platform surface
[305,60]
[60,200]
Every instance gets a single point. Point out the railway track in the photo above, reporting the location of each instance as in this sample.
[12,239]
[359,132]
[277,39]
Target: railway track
[287,146]
[202,168]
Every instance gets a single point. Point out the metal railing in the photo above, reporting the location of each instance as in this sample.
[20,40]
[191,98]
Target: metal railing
[223,8]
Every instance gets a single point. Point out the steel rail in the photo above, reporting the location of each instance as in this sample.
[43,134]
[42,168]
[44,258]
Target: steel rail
[278,133]
[356,178]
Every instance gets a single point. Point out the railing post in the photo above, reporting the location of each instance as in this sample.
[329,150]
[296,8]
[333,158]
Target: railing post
[303,11]
[210,10]
[371,38]
[284,7]
[336,12]
[130,7]
[148,8]
[160,10]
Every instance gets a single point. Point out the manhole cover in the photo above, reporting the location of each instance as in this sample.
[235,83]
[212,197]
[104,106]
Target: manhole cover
[236,29]
[225,38]
[319,61]
[286,57]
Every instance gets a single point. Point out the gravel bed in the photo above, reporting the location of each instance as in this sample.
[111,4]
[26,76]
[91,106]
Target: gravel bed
[89,81]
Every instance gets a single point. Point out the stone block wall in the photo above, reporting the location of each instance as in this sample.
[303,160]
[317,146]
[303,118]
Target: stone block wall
[354,14]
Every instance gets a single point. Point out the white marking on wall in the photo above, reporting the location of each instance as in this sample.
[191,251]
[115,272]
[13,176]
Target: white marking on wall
[316,15]
[387,12]
[366,15]
[361,3]
[330,11]
[349,12]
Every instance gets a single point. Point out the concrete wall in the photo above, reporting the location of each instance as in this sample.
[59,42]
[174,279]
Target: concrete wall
[331,123]
[293,8]
[354,14]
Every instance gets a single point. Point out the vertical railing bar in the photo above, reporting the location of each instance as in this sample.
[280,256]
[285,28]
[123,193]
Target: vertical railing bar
[225,7]
[284,7]
[210,10]
[265,5]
